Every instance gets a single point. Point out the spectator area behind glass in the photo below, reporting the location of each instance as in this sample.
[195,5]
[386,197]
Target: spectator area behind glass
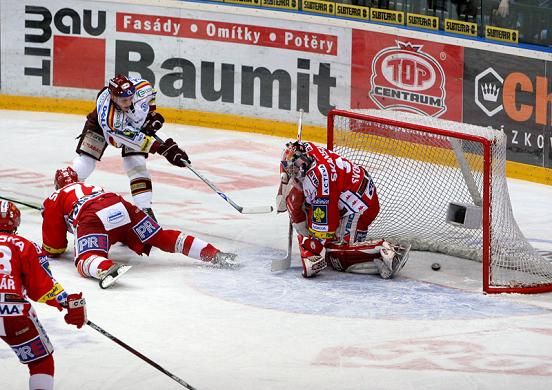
[532,18]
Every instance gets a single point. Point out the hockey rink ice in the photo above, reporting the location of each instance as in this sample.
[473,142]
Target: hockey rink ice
[253,329]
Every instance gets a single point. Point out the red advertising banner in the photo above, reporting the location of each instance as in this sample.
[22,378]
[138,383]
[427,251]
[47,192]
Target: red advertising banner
[401,73]
[227,32]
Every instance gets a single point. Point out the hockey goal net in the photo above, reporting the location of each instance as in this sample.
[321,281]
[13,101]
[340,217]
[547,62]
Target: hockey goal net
[442,187]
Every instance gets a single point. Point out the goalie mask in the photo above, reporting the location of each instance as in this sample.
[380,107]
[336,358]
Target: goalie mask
[295,159]
[65,176]
[10,217]
[121,86]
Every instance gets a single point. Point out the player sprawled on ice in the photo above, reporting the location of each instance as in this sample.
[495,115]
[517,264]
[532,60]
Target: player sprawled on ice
[331,202]
[24,275]
[125,117]
[100,219]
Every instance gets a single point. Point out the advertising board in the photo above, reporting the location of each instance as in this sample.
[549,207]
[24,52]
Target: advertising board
[401,73]
[513,94]
[203,61]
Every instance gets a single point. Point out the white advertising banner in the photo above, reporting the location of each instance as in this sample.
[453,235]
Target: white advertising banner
[200,60]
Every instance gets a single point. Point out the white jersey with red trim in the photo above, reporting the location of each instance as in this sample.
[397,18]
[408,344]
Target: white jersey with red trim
[123,128]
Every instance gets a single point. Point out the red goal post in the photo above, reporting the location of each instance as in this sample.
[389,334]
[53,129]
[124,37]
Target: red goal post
[442,187]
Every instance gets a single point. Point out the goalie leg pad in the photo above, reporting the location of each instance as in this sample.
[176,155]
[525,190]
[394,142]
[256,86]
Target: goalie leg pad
[349,257]
[312,265]
[393,259]
[310,249]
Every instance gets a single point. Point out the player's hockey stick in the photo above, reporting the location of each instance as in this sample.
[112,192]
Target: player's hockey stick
[29,205]
[285,263]
[241,209]
[141,356]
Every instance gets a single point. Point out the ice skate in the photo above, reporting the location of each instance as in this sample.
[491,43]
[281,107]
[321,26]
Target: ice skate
[110,276]
[150,213]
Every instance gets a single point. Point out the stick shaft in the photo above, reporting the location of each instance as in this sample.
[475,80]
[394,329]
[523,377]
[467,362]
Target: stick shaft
[211,185]
[140,355]
[30,205]
[285,263]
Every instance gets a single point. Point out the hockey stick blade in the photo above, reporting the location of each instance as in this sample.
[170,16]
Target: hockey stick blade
[280,264]
[257,210]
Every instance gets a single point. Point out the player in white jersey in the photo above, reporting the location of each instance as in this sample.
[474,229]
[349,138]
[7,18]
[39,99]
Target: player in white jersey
[125,117]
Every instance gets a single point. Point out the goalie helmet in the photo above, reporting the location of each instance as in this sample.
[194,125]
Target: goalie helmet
[121,86]
[65,176]
[295,159]
[10,217]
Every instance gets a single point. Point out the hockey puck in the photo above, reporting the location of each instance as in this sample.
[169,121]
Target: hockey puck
[435,266]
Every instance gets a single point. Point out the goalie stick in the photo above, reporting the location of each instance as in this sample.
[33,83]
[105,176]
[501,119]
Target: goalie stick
[141,356]
[241,209]
[285,263]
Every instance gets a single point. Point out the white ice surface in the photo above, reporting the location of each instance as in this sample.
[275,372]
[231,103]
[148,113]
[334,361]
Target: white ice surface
[253,329]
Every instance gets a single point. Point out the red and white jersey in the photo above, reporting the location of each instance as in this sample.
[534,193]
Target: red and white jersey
[24,272]
[59,211]
[123,128]
[334,187]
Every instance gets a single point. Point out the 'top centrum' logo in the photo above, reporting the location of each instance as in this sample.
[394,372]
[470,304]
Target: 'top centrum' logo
[407,78]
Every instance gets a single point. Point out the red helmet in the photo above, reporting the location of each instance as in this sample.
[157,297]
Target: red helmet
[65,176]
[10,217]
[121,86]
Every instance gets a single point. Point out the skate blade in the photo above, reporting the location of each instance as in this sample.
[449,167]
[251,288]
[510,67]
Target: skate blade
[110,279]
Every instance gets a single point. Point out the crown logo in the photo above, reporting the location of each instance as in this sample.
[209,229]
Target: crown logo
[490,92]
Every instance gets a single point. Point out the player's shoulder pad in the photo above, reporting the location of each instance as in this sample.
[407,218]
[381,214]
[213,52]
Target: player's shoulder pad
[143,90]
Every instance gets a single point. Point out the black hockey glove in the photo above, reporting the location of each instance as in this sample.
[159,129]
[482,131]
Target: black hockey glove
[154,121]
[170,150]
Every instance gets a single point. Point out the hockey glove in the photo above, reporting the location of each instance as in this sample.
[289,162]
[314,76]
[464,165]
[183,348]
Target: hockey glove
[154,121]
[76,310]
[170,150]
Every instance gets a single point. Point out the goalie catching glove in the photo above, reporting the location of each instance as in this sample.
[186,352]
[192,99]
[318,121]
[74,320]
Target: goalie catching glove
[170,150]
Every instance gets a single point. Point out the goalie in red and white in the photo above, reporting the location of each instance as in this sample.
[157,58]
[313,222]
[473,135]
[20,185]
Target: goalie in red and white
[100,219]
[331,203]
